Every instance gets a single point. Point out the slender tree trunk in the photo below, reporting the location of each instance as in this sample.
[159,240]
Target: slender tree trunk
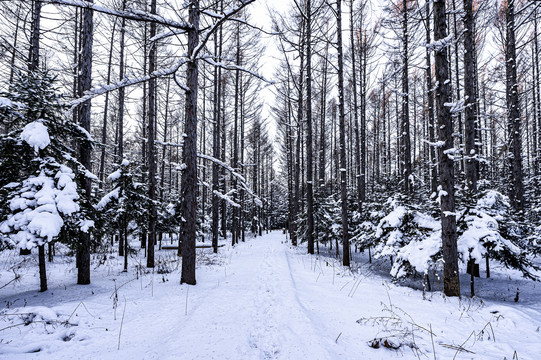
[33,58]
[152,58]
[85,84]
[235,229]
[105,110]
[189,175]
[120,136]
[355,109]
[470,100]
[42,270]
[309,145]
[298,141]
[322,129]
[430,120]
[144,232]
[405,143]
[166,130]
[537,111]
[342,121]
[451,282]
[457,78]
[363,54]
[14,51]
[216,149]
[513,111]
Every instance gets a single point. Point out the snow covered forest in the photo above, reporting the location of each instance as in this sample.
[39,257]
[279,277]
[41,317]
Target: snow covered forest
[249,179]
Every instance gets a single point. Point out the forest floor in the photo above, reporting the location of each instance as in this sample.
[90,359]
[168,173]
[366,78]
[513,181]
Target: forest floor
[262,299]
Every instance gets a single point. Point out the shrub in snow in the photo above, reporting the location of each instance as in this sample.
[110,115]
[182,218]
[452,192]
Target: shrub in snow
[40,206]
[127,201]
[327,219]
[364,224]
[40,197]
[410,238]
[413,239]
[489,230]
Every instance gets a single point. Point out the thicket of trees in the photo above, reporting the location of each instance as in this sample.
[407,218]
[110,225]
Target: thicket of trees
[129,119]
[427,143]
[409,129]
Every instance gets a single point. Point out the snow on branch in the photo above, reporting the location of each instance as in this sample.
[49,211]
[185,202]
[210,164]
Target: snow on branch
[225,66]
[127,81]
[130,14]
[221,19]
[439,45]
[234,173]
[226,198]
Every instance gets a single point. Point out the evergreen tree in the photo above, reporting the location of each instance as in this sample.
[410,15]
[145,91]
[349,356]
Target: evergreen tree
[39,193]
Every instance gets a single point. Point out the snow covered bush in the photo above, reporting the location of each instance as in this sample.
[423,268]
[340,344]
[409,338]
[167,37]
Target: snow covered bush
[40,197]
[365,224]
[327,219]
[127,201]
[40,206]
[411,239]
[489,230]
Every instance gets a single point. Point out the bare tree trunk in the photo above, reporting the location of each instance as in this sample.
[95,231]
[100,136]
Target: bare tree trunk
[470,99]
[235,229]
[298,141]
[216,148]
[513,111]
[120,136]
[363,54]
[144,232]
[451,283]
[358,169]
[457,77]
[322,129]
[105,110]
[430,120]
[537,112]
[85,84]
[166,131]
[33,56]
[342,121]
[151,142]
[42,270]
[189,176]
[309,146]
[405,143]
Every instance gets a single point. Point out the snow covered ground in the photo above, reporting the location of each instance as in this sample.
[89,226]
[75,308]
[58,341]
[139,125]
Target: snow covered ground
[259,300]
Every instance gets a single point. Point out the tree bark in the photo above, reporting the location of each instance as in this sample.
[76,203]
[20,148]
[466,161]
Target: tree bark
[431,122]
[451,284]
[470,100]
[342,121]
[355,109]
[42,270]
[405,147]
[151,142]
[216,149]
[309,146]
[105,110]
[189,176]
[85,84]
[513,111]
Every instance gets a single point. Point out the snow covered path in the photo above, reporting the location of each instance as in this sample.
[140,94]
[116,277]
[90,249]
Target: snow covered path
[254,312]
[262,299]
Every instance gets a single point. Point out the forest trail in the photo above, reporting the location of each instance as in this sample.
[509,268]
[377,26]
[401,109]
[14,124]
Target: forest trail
[255,311]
